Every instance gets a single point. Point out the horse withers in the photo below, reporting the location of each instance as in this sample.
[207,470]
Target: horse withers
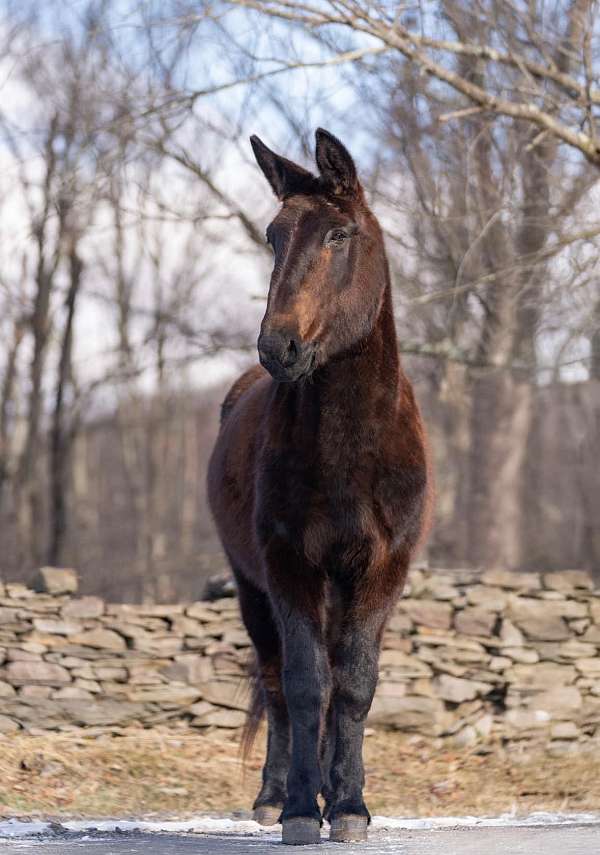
[318,485]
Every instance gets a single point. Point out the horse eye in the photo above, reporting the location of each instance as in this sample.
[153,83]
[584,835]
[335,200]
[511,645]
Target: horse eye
[337,236]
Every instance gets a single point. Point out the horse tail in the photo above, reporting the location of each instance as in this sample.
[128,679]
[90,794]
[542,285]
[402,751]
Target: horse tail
[256,710]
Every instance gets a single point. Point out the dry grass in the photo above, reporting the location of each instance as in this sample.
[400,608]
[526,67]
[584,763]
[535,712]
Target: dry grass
[184,772]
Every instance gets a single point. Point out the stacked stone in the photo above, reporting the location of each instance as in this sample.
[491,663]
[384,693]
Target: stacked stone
[514,655]
[68,661]
[465,656]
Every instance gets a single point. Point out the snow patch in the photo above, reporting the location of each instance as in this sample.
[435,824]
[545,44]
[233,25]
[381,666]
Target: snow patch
[14,828]
[505,820]
[17,828]
[199,825]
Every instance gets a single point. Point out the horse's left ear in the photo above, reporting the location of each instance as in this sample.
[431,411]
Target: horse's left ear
[284,176]
[336,166]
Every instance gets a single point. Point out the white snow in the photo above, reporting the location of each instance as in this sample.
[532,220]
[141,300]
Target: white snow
[17,828]
[14,828]
[383,823]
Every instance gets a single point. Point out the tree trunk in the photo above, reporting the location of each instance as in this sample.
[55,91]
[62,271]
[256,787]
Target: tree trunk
[28,499]
[595,343]
[62,437]
[501,416]
[6,400]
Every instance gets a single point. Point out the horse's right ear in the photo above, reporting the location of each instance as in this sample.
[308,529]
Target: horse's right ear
[284,176]
[336,166]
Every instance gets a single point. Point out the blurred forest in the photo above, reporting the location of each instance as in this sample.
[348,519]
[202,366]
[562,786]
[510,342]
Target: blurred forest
[133,265]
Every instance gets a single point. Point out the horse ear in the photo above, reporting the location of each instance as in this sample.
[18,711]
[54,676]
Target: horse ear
[285,177]
[336,166]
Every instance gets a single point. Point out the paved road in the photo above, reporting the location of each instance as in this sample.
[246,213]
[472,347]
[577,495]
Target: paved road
[549,840]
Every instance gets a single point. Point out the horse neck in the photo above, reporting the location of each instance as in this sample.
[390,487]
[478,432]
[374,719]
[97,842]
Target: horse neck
[360,392]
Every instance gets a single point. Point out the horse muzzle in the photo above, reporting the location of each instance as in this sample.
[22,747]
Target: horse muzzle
[286,358]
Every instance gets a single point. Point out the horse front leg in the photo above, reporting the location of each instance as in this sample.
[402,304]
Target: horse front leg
[328,737]
[355,673]
[307,688]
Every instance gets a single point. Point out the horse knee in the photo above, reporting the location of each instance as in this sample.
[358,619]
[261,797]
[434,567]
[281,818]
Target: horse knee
[304,696]
[354,693]
[356,703]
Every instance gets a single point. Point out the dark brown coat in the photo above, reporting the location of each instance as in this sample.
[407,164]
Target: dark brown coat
[319,487]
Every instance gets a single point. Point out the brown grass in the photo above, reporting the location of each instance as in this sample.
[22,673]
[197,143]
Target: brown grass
[171,772]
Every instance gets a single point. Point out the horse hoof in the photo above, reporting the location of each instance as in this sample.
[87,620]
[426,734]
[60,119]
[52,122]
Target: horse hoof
[267,814]
[301,831]
[348,829]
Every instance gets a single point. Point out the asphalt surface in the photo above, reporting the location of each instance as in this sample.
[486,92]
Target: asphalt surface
[548,840]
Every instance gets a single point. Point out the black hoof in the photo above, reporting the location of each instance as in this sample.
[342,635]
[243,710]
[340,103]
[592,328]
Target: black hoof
[267,814]
[348,828]
[301,831]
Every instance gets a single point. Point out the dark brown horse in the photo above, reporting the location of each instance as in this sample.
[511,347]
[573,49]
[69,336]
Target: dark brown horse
[318,485]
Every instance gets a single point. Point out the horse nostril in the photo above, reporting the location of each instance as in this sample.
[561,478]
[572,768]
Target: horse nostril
[292,353]
[279,348]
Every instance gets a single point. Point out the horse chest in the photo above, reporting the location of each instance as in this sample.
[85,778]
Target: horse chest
[331,514]
[340,496]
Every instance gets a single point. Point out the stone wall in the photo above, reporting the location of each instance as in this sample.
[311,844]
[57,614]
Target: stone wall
[466,657]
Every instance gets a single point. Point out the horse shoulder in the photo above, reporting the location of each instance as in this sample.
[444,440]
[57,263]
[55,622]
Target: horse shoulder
[241,385]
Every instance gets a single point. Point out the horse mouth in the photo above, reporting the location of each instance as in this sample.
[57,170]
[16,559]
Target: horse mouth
[295,373]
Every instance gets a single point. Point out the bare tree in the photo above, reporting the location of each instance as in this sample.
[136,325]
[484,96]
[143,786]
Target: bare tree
[485,117]
[476,101]
[484,220]
[62,435]
[557,94]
